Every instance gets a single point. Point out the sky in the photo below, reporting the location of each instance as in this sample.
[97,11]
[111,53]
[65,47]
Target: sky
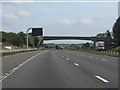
[60,18]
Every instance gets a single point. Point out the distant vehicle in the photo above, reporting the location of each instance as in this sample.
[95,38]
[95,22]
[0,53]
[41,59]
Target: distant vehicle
[100,46]
[8,47]
[59,47]
[56,46]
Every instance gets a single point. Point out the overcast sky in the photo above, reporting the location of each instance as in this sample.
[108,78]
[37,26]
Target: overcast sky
[60,18]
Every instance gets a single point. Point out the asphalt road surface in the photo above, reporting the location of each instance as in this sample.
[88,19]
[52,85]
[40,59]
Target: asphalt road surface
[59,69]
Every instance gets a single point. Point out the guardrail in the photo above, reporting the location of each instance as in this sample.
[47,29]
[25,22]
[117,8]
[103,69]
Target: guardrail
[11,52]
[110,52]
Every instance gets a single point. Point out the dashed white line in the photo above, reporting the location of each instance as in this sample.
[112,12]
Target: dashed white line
[76,64]
[102,79]
[104,60]
[67,59]
[90,56]
[16,68]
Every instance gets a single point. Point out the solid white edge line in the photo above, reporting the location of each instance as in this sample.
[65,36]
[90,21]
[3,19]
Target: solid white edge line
[104,60]
[16,68]
[104,80]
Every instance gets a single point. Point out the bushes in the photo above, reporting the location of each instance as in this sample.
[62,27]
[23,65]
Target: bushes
[19,39]
[117,49]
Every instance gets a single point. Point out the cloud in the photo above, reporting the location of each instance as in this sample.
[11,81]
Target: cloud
[23,13]
[9,15]
[68,22]
[83,21]
[11,19]
[86,21]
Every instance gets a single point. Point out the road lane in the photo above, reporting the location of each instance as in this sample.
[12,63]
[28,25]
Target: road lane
[94,64]
[51,70]
[11,61]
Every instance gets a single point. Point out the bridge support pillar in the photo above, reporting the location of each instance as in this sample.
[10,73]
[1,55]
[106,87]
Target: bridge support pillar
[94,44]
[40,38]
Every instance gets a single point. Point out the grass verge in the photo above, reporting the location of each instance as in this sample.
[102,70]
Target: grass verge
[100,53]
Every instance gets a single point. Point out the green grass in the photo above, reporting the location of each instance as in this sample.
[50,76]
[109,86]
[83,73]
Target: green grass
[99,53]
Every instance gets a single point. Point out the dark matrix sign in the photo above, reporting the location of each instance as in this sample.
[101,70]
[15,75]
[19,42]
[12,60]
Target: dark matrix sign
[37,31]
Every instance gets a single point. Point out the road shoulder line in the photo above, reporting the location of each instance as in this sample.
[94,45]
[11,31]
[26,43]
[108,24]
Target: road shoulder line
[20,65]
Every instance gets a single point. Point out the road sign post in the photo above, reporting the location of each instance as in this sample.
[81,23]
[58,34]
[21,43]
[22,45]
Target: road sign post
[27,36]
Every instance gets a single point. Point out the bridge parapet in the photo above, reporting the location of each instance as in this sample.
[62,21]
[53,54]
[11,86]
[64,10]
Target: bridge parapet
[73,38]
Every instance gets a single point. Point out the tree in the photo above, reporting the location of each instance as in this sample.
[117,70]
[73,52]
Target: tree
[108,34]
[35,41]
[31,41]
[108,43]
[17,39]
[116,32]
[100,35]
[21,39]
[5,38]
[86,45]
[9,38]
[14,38]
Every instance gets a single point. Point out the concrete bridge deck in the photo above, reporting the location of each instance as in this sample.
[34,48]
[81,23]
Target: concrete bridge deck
[72,38]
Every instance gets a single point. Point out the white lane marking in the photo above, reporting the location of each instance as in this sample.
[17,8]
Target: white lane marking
[16,68]
[63,56]
[104,60]
[67,59]
[90,56]
[20,65]
[76,64]
[104,80]
[17,54]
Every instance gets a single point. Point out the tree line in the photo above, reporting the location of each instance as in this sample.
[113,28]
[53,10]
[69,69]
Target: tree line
[18,39]
[116,32]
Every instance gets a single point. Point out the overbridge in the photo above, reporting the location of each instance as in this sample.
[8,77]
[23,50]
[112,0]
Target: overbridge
[39,33]
[72,38]
[94,39]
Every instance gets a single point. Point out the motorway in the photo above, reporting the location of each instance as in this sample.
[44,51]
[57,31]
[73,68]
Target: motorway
[59,69]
